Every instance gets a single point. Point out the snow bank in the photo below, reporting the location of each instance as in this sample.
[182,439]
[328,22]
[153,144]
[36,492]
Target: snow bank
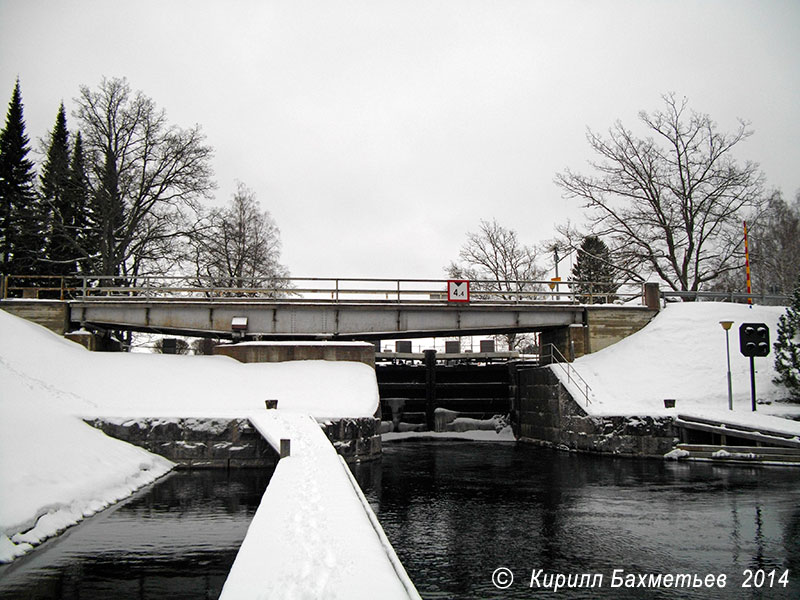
[55,469]
[681,355]
[136,385]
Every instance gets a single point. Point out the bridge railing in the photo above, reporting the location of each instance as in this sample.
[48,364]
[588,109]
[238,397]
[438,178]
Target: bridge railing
[723,296]
[344,289]
[336,289]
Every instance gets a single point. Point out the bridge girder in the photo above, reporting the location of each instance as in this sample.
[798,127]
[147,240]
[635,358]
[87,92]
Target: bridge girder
[308,320]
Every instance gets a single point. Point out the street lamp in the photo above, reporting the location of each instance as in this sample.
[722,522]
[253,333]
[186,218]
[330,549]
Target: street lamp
[726,325]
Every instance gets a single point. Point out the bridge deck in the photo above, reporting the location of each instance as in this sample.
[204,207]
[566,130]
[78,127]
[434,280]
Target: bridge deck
[314,535]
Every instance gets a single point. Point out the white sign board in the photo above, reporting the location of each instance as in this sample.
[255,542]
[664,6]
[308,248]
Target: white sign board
[458,290]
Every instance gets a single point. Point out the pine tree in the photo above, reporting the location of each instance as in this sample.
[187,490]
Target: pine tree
[787,346]
[54,188]
[593,272]
[21,228]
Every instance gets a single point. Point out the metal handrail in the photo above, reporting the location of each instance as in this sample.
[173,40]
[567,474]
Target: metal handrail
[572,374]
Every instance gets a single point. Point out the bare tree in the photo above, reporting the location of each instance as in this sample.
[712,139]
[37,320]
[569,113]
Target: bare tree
[239,247]
[775,246]
[494,260]
[671,204]
[144,173]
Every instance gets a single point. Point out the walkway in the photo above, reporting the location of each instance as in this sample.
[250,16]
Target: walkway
[314,535]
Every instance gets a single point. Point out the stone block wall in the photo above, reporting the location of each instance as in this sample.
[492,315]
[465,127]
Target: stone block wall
[548,415]
[195,443]
[233,443]
[355,440]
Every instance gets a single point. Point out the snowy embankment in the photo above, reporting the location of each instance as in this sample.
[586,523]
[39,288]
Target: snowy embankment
[55,469]
[681,355]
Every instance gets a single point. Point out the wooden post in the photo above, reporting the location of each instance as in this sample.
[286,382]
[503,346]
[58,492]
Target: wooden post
[430,388]
[286,448]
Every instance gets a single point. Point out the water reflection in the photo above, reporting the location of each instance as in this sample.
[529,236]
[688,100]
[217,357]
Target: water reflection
[176,539]
[455,512]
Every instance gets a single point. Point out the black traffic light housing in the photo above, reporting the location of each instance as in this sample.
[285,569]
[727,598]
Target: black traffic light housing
[754,339]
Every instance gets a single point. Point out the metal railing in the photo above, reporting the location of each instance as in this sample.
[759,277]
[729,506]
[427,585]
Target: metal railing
[722,296]
[336,289]
[551,352]
[346,289]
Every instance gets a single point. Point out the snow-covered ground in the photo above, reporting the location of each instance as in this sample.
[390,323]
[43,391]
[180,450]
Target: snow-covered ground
[681,355]
[55,469]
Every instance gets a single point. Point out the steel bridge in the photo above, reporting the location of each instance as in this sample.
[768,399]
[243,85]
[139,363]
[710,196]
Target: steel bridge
[323,308]
[311,308]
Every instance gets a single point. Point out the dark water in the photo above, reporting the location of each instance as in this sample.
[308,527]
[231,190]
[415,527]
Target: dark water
[455,512]
[176,539]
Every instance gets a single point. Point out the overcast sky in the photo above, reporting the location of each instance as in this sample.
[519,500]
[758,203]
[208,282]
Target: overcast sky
[378,133]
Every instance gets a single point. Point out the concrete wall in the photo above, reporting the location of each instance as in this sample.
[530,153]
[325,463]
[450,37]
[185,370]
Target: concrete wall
[52,314]
[547,415]
[250,352]
[609,324]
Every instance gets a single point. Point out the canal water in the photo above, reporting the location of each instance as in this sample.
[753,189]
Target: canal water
[457,513]
[174,540]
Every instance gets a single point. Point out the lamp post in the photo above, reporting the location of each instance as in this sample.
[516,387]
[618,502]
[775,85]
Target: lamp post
[726,325]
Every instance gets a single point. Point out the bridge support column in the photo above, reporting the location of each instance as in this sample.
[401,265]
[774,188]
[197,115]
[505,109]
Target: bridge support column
[570,341]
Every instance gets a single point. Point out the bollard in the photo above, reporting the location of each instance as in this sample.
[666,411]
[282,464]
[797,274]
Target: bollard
[271,404]
[286,448]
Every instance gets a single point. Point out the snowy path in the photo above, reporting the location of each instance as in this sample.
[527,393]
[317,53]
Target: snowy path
[313,535]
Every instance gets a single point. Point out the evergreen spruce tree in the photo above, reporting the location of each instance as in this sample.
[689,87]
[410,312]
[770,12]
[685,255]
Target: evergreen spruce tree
[82,233]
[21,227]
[787,346]
[593,272]
[60,251]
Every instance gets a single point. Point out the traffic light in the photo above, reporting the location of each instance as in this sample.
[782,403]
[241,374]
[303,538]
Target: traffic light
[754,339]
